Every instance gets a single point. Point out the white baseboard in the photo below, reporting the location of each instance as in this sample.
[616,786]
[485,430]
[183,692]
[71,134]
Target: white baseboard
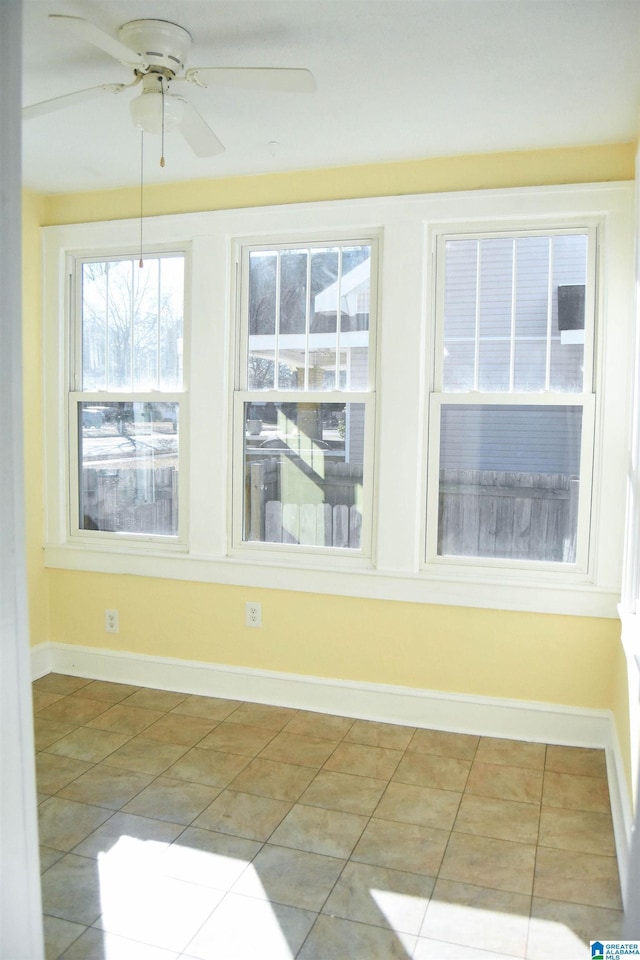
[487,716]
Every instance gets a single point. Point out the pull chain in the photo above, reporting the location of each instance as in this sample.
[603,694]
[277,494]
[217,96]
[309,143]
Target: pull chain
[140,263]
[162,148]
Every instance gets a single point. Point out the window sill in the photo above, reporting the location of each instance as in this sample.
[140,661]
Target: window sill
[326,576]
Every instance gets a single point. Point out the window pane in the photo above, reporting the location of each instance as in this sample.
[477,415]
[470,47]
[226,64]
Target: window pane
[514,313]
[509,481]
[295,298]
[129,467]
[132,324]
[303,473]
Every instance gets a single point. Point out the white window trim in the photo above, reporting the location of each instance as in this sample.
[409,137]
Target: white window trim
[239,547]
[405,377]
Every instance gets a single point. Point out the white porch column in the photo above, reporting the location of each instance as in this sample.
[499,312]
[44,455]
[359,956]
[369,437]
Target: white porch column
[20,906]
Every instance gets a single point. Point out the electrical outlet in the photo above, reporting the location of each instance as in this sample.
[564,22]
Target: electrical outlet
[253,613]
[111,624]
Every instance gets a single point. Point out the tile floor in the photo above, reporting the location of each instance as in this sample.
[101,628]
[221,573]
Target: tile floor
[176,826]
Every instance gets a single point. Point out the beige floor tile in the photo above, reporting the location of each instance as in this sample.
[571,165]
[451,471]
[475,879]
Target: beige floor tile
[512,753]
[53,773]
[427,949]
[366,761]
[208,766]
[485,862]
[574,792]
[106,786]
[426,770]
[87,744]
[271,778]
[64,823]
[237,738]
[440,743]
[243,815]
[60,683]
[478,916]
[180,729]
[41,699]
[107,691]
[577,830]
[335,939]
[125,836]
[343,791]
[505,783]
[71,890]
[58,935]
[244,928]
[501,819]
[296,878]
[151,699]
[47,732]
[207,708]
[122,718]
[577,878]
[292,748]
[562,931]
[413,804]
[577,760]
[208,858]
[172,800]
[153,909]
[379,896]
[143,755]
[75,710]
[261,714]
[374,734]
[49,856]
[99,945]
[310,724]
[402,846]
[317,830]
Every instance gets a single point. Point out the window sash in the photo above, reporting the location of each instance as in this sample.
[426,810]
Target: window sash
[241,537]
[442,236]
[587,403]
[74,427]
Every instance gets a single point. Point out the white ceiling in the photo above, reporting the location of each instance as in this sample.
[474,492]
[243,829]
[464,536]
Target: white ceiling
[397,80]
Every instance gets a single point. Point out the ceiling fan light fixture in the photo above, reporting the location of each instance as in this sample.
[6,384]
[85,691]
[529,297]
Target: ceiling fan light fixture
[146,111]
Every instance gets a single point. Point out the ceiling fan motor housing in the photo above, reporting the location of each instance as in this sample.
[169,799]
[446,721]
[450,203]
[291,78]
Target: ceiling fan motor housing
[161,44]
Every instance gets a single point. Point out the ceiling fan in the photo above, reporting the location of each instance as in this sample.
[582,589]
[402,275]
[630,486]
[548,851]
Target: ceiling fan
[156,51]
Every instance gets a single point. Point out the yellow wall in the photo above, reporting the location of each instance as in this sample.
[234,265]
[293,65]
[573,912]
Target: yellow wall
[567,660]
[555,659]
[32,214]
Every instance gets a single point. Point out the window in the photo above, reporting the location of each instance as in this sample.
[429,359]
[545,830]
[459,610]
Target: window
[276,395]
[512,416]
[304,407]
[125,409]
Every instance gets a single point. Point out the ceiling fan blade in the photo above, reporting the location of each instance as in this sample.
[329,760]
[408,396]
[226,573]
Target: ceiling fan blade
[198,133]
[277,79]
[69,99]
[98,37]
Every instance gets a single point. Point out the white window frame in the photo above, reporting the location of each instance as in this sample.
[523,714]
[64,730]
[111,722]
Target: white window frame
[397,568]
[586,399]
[78,396]
[241,395]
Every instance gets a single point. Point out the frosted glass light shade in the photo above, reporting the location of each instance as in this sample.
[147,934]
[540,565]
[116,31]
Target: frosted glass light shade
[146,111]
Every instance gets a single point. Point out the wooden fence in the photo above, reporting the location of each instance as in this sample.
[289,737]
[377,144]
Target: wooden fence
[288,502]
[524,516]
[130,500]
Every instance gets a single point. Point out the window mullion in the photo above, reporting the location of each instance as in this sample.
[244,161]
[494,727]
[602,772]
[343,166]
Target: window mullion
[476,345]
[512,347]
[547,364]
